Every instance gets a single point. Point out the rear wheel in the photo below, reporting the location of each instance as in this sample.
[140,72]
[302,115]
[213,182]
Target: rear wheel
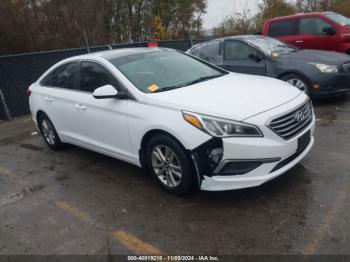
[297,81]
[169,165]
[49,133]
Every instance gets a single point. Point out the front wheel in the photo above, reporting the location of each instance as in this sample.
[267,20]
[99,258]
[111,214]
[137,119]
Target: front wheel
[298,82]
[169,164]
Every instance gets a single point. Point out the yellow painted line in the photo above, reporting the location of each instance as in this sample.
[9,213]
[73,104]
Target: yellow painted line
[131,242]
[325,225]
[73,211]
[135,244]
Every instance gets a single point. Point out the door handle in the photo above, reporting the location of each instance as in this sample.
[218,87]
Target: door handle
[80,107]
[299,41]
[48,99]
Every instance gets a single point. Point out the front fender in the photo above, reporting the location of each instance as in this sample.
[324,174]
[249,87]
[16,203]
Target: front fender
[143,118]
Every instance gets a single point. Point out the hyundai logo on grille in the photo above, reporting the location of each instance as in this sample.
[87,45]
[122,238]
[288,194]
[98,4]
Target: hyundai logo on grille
[293,123]
[299,116]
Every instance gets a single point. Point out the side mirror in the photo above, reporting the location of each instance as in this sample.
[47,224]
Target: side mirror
[329,31]
[255,58]
[106,91]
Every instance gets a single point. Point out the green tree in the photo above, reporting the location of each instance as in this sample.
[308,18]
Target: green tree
[341,6]
[160,32]
[270,9]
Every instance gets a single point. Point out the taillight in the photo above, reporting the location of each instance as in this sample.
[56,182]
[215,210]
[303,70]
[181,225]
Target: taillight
[29,92]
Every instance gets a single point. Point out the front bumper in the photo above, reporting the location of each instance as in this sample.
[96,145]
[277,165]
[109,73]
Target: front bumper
[268,156]
[255,178]
[330,84]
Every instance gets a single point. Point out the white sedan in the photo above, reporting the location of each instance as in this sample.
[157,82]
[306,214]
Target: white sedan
[189,123]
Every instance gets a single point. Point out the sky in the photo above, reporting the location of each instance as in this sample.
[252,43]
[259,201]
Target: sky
[217,10]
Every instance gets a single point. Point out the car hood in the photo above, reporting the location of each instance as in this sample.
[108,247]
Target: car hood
[316,56]
[234,96]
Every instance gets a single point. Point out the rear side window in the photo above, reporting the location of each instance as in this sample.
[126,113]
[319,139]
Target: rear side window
[236,50]
[283,28]
[93,76]
[63,77]
[209,51]
[313,26]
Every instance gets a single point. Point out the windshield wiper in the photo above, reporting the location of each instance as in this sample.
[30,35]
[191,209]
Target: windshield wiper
[167,88]
[201,79]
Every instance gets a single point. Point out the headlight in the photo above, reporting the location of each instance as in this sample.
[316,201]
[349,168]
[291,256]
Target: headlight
[219,127]
[328,69]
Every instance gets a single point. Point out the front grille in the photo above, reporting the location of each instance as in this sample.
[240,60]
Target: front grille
[293,123]
[346,67]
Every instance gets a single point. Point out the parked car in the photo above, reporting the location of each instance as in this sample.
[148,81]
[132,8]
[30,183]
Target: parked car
[318,73]
[324,31]
[189,123]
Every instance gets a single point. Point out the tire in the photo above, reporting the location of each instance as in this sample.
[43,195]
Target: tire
[49,134]
[169,165]
[298,81]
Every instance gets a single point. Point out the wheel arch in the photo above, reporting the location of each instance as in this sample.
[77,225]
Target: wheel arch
[39,114]
[301,75]
[147,136]
[151,133]
[295,72]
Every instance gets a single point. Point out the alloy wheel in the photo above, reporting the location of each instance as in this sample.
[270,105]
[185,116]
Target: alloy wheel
[298,83]
[48,132]
[166,166]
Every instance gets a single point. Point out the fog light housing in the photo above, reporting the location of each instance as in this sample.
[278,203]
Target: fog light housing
[240,167]
[215,155]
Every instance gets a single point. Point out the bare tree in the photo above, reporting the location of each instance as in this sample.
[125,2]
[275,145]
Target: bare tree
[35,25]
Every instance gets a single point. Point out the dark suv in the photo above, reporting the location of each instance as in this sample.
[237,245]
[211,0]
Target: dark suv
[318,73]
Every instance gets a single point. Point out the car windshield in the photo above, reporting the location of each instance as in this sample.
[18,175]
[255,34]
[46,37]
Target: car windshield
[271,46]
[338,18]
[163,71]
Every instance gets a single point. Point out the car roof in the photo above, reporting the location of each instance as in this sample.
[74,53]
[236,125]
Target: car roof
[244,37]
[237,37]
[118,53]
[311,14]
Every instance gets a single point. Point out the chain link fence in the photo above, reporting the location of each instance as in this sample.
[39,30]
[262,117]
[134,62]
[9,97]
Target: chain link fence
[18,72]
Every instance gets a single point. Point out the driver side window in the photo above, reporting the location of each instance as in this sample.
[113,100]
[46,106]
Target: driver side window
[236,50]
[93,76]
[313,26]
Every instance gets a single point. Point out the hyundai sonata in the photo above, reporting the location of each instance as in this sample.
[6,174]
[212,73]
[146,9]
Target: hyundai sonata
[189,123]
